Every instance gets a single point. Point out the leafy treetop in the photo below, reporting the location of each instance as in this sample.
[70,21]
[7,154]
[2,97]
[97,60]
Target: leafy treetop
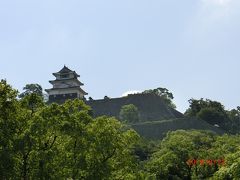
[164,93]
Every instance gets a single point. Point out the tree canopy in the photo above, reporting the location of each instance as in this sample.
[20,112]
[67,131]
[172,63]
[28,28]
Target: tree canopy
[196,155]
[52,141]
[40,141]
[129,113]
[32,89]
[215,113]
[164,93]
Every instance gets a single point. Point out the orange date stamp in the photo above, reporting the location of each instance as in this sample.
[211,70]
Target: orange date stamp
[208,162]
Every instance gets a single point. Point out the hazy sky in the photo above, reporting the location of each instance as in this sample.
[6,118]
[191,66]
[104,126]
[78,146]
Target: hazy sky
[191,47]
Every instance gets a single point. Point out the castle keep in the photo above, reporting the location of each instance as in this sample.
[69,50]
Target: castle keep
[65,86]
[156,118]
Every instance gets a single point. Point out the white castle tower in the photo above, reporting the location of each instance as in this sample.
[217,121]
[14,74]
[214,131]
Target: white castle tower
[65,86]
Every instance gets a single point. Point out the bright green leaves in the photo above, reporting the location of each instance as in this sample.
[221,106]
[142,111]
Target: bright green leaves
[8,128]
[231,170]
[111,148]
[39,141]
[196,155]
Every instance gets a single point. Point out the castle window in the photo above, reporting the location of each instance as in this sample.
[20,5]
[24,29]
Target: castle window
[63,76]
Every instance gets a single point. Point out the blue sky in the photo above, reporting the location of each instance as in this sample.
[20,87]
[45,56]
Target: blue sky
[190,47]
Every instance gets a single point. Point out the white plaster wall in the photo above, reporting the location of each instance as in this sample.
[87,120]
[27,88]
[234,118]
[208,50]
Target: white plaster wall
[64,91]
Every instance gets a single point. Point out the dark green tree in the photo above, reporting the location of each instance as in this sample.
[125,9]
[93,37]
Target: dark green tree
[195,106]
[164,93]
[129,113]
[32,89]
[9,109]
[212,112]
[234,120]
[212,116]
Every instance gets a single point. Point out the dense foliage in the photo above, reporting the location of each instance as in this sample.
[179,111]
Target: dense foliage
[30,89]
[215,157]
[164,93]
[40,141]
[129,113]
[214,113]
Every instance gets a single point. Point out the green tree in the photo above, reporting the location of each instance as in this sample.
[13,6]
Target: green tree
[8,128]
[234,120]
[228,146]
[144,148]
[129,113]
[32,88]
[95,148]
[195,106]
[212,115]
[36,138]
[39,141]
[164,93]
[170,161]
[212,112]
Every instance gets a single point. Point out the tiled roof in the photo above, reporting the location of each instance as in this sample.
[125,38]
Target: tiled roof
[65,69]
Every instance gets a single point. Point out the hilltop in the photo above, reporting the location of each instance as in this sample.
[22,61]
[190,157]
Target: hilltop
[156,118]
[151,107]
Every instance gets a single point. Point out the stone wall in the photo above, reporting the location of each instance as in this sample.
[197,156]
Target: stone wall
[159,129]
[151,107]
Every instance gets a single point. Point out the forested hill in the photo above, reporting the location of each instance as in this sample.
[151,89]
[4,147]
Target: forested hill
[156,118]
[150,106]
[64,141]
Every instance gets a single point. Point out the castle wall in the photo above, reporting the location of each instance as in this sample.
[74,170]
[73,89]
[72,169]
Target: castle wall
[60,98]
[150,106]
